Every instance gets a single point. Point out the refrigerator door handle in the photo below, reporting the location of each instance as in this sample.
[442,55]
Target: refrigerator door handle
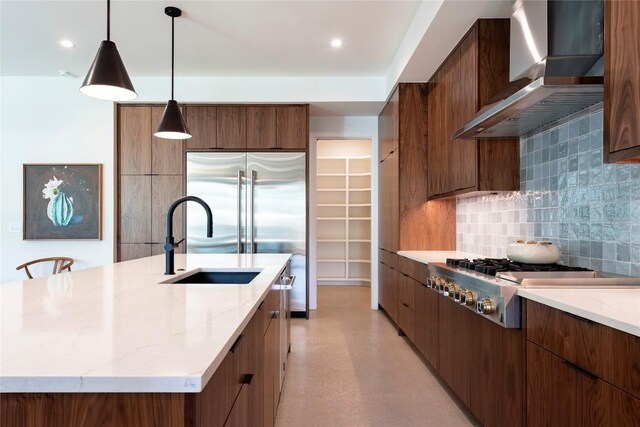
[239,194]
[253,176]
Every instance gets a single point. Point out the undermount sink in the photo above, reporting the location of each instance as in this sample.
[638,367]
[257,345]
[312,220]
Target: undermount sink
[215,277]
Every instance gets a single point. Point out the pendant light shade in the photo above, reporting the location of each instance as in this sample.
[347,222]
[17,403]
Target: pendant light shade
[172,125]
[107,78]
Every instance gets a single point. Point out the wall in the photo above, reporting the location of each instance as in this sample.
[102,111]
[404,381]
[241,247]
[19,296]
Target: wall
[47,120]
[343,128]
[589,209]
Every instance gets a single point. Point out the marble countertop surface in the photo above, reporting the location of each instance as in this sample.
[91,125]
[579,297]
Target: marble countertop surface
[115,328]
[427,257]
[617,308]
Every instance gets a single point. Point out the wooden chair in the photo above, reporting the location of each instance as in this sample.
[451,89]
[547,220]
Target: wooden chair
[59,264]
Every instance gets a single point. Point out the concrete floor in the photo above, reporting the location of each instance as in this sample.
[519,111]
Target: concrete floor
[349,367]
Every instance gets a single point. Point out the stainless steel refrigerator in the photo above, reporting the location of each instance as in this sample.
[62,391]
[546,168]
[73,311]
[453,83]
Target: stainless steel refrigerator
[259,206]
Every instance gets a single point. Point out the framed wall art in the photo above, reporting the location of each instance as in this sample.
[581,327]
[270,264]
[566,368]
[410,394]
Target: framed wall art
[62,201]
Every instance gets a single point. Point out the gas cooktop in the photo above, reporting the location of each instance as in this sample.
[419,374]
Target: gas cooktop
[492,266]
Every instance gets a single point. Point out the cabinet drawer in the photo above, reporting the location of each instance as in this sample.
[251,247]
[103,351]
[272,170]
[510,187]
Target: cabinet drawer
[406,320]
[388,258]
[269,306]
[407,291]
[414,269]
[606,352]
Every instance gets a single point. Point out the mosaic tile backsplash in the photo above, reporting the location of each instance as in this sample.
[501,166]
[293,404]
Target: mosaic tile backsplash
[590,210]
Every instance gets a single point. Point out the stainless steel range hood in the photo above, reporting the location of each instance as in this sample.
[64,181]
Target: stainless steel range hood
[558,44]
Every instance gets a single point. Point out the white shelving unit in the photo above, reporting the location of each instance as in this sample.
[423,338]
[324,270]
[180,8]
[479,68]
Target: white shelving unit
[344,219]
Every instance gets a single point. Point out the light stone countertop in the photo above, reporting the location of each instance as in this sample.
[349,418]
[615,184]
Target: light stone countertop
[616,308]
[427,257]
[115,328]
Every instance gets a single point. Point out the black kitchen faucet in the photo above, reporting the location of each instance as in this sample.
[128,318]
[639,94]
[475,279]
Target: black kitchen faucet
[170,245]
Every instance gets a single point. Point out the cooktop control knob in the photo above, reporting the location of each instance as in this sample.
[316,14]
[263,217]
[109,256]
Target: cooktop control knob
[467,297]
[458,294]
[486,306]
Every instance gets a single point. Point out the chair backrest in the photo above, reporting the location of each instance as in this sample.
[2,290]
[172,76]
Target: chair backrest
[59,264]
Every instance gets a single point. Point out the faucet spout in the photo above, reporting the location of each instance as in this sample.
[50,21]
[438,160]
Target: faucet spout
[170,244]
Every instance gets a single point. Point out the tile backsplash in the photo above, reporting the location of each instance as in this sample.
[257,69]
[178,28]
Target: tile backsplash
[590,210]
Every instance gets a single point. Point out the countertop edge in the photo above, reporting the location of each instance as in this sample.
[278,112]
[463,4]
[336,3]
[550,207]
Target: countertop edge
[587,314]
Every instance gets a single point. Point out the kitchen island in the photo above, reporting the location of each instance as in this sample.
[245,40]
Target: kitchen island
[116,337]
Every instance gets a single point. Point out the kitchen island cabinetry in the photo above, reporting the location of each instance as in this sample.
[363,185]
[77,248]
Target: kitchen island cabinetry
[171,354]
[579,372]
[621,81]
[476,70]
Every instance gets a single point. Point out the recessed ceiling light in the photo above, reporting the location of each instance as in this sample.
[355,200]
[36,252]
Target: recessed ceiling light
[336,42]
[65,73]
[66,43]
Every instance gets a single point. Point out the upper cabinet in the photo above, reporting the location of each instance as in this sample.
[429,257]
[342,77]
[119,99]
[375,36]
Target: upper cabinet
[292,127]
[622,82]
[406,220]
[476,70]
[248,127]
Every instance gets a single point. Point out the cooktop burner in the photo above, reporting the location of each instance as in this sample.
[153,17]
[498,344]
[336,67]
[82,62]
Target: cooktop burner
[491,266]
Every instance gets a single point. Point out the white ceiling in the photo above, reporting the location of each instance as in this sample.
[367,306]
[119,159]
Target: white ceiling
[232,51]
[213,38]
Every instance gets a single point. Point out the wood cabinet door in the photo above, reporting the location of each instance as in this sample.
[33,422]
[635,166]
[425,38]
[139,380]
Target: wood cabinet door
[382,205]
[256,386]
[389,126]
[270,372]
[240,415]
[232,128]
[392,202]
[166,154]
[261,127]
[165,190]
[426,323]
[382,283]
[463,160]
[134,136]
[554,395]
[437,149]
[202,123]
[135,209]
[606,405]
[455,350]
[622,81]
[292,127]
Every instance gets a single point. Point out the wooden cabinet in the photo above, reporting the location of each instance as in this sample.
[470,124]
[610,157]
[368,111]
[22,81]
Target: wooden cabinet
[150,177]
[426,323]
[406,305]
[560,393]
[272,368]
[231,128]
[622,81]
[388,290]
[467,80]
[579,372]
[202,122]
[455,349]
[247,127]
[261,127]
[406,221]
[605,352]
[292,127]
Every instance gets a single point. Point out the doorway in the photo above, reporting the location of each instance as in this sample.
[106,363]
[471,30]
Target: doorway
[343,206]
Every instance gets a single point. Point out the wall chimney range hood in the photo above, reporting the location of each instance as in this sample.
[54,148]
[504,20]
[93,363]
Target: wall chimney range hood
[556,47]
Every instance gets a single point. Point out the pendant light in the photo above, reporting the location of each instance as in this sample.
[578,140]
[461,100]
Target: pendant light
[107,78]
[172,125]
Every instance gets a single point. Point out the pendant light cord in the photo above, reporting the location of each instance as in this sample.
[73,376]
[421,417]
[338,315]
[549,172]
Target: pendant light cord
[108,20]
[172,51]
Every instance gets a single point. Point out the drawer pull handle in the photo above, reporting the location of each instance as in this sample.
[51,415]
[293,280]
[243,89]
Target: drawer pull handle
[579,370]
[247,378]
[261,304]
[575,316]
[236,343]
